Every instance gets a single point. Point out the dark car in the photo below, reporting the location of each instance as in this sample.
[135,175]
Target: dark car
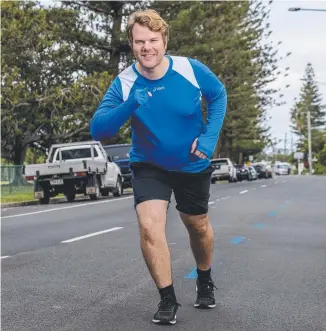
[262,171]
[119,154]
[245,172]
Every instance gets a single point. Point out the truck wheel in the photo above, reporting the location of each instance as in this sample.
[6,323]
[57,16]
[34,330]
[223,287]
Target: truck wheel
[45,200]
[118,190]
[70,197]
[105,192]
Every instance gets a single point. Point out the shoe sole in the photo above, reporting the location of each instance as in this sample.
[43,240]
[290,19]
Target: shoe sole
[165,322]
[201,306]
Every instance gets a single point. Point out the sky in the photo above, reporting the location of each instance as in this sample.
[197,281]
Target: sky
[304,34]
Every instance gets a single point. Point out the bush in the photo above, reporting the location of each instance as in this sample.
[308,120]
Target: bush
[319,169]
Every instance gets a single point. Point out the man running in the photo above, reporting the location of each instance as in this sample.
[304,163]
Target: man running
[171,150]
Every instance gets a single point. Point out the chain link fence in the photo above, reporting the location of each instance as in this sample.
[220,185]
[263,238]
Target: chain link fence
[13,182]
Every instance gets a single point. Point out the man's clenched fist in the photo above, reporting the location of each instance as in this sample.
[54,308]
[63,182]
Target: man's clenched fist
[142,96]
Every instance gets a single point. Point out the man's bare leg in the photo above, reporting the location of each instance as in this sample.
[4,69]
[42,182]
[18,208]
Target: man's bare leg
[201,237]
[152,223]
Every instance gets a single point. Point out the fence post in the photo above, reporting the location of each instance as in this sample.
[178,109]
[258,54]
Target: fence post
[9,179]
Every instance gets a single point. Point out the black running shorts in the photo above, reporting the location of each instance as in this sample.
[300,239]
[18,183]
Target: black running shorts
[191,190]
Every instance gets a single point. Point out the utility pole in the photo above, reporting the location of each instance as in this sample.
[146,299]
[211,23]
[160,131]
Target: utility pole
[291,143]
[285,143]
[309,142]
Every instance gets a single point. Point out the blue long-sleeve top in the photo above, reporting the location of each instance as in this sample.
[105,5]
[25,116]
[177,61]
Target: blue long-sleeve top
[163,130]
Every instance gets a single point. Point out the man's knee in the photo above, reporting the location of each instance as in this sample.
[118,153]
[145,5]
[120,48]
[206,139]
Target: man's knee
[195,223]
[151,218]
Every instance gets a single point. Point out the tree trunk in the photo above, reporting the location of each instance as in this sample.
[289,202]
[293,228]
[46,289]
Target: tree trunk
[17,178]
[115,56]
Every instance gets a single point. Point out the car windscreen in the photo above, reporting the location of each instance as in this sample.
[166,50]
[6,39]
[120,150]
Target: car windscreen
[80,153]
[117,153]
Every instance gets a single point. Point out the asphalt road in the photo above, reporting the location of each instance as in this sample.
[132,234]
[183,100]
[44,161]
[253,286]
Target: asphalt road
[78,266]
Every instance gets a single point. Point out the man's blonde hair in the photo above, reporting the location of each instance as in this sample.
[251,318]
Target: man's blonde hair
[151,19]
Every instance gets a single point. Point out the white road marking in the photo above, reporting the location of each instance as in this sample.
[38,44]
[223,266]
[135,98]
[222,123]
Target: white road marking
[68,207]
[275,182]
[91,235]
[263,185]
[211,202]
[4,257]
[224,198]
[242,192]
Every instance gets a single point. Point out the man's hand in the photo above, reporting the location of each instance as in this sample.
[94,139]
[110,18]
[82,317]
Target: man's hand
[195,151]
[142,96]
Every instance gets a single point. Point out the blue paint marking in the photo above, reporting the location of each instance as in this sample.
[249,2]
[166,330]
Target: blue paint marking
[192,274]
[238,240]
[272,213]
[259,226]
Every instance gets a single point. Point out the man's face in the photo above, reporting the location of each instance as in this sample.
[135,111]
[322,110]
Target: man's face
[148,46]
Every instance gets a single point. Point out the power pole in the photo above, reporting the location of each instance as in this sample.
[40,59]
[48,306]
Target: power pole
[285,143]
[291,143]
[309,142]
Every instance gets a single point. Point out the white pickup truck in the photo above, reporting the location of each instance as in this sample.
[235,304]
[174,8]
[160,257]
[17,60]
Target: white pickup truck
[224,169]
[75,168]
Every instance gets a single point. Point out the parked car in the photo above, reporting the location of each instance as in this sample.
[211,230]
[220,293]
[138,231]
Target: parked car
[281,169]
[120,155]
[75,168]
[263,171]
[224,169]
[245,172]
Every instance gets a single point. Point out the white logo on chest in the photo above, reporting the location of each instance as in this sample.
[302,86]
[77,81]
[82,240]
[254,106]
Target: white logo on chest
[158,88]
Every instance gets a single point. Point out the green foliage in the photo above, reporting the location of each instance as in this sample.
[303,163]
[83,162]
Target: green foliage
[46,95]
[321,156]
[309,99]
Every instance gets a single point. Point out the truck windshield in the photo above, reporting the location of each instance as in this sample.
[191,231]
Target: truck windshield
[118,152]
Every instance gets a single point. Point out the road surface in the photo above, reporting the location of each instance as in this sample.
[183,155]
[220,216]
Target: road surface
[78,266]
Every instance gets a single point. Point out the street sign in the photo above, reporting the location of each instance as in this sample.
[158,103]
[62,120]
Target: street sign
[298,156]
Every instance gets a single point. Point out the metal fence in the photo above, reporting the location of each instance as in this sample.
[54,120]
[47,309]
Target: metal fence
[13,181]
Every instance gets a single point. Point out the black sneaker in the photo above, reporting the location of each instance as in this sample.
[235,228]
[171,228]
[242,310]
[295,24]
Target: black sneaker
[167,309]
[205,294]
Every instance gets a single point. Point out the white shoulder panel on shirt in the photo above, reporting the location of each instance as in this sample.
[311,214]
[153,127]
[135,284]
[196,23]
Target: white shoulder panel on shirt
[127,78]
[182,66]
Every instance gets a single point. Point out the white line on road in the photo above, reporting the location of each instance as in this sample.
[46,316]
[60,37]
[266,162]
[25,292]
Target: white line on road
[77,205]
[224,198]
[211,202]
[91,235]
[242,192]
[4,257]
[263,185]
